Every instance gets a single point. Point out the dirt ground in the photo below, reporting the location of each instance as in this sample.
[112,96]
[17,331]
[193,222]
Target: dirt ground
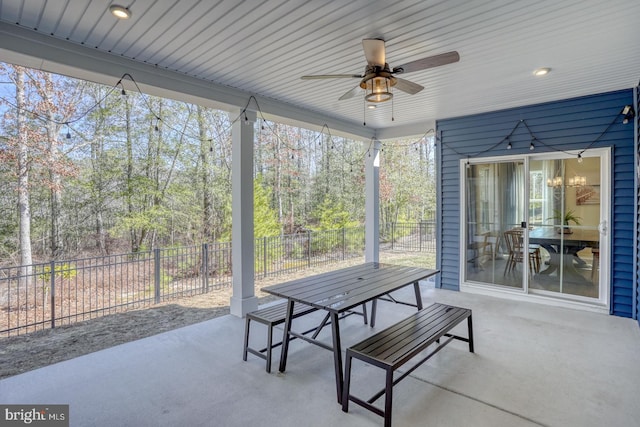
[23,353]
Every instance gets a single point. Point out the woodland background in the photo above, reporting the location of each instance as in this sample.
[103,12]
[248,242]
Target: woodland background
[88,169]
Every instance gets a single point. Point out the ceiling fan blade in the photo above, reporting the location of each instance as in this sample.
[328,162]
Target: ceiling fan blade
[331,76]
[374,52]
[353,92]
[428,62]
[406,86]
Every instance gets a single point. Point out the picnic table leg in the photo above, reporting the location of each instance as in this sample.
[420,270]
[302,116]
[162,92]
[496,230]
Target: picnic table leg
[374,306]
[285,336]
[416,288]
[337,355]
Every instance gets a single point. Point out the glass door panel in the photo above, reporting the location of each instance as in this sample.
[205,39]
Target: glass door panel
[564,214]
[495,205]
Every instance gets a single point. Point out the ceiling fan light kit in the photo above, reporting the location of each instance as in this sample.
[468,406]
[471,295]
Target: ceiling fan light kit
[379,78]
[378,89]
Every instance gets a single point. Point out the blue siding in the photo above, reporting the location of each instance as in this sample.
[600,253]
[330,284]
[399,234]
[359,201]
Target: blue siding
[636,310]
[567,125]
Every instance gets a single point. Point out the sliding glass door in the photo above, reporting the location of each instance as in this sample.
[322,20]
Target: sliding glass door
[495,204]
[565,218]
[537,225]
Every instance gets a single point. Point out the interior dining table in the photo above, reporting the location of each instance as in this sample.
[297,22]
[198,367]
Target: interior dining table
[340,291]
[563,248]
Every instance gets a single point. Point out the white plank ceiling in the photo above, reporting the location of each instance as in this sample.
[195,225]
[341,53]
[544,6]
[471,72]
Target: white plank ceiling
[262,47]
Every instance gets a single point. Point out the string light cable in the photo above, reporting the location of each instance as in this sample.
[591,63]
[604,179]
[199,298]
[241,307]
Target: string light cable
[119,86]
[534,140]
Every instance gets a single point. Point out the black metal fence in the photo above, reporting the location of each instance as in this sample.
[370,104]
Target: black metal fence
[56,293]
[408,236]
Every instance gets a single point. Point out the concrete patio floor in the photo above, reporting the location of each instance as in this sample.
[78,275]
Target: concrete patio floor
[534,365]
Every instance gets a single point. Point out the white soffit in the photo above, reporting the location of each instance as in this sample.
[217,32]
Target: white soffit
[263,48]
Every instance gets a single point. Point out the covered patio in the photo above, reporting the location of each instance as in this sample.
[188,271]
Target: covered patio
[535,363]
[534,366]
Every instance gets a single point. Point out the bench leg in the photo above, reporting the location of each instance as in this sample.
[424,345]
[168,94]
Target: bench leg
[470,327]
[269,347]
[388,398]
[347,382]
[246,339]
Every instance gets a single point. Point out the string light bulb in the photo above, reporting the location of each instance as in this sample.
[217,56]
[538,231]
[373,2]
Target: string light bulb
[68,133]
[531,146]
[579,158]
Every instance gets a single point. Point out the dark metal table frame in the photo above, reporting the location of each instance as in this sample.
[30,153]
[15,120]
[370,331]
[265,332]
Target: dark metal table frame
[338,292]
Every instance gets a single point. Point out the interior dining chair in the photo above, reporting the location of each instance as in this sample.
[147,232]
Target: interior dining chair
[514,242]
[595,262]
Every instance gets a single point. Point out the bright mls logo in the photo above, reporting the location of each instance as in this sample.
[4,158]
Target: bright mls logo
[34,415]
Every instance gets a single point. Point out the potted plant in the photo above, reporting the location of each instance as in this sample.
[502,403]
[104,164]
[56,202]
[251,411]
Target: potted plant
[569,216]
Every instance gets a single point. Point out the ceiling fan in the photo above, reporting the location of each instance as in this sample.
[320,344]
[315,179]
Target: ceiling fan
[378,77]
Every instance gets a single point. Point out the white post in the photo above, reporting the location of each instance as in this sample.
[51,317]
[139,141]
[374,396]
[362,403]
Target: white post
[243,299]
[372,204]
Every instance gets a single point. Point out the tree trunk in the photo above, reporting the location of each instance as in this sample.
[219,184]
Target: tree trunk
[205,178]
[278,194]
[129,175]
[96,181]
[26,260]
[53,155]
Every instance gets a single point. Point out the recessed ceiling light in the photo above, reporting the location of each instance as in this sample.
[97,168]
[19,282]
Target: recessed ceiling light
[541,71]
[120,12]
[371,106]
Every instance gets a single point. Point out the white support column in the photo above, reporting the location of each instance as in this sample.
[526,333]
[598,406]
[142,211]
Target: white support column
[243,299]
[372,204]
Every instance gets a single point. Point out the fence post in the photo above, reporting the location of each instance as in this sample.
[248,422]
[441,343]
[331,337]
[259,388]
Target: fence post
[264,255]
[53,294]
[205,267]
[308,248]
[344,242]
[421,224]
[393,229]
[156,274]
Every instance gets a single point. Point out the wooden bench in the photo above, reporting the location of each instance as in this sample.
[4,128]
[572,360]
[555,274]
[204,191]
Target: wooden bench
[396,345]
[275,315]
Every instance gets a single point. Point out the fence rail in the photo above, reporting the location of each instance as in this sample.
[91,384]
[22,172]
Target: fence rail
[47,295]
